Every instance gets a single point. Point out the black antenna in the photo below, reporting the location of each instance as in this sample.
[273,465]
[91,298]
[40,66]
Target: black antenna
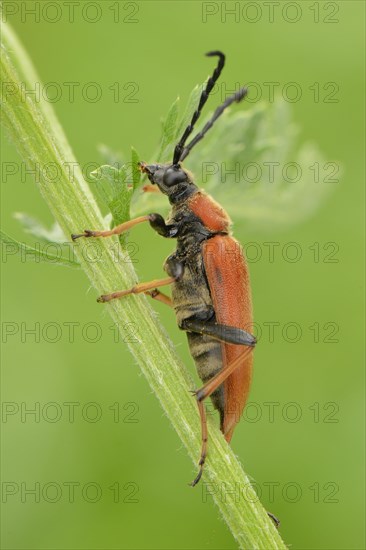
[238,96]
[204,96]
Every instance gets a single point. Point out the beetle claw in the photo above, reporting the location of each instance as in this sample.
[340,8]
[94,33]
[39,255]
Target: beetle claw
[198,477]
[87,233]
[275,520]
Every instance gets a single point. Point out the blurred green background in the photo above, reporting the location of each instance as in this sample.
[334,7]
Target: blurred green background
[303,439]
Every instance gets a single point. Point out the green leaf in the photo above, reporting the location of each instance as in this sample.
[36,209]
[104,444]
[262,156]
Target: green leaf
[136,174]
[112,188]
[191,106]
[151,202]
[113,158]
[41,254]
[253,165]
[169,131]
[250,162]
[35,228]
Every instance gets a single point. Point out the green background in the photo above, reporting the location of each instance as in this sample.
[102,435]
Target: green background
[317,460]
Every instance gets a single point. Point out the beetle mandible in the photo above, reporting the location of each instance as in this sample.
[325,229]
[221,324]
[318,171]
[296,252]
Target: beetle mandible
[208,275]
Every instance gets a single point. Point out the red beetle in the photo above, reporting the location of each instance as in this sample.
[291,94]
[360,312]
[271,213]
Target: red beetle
[209,276]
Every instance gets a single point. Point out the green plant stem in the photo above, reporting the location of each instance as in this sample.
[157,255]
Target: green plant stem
[39,138]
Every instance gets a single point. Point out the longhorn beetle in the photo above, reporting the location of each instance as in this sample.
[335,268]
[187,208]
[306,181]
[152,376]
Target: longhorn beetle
[208,274]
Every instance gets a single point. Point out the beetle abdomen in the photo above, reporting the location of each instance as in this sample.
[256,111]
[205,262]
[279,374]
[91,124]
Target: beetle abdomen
[192,299]
[207,355]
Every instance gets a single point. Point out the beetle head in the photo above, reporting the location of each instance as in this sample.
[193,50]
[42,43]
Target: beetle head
[172,180]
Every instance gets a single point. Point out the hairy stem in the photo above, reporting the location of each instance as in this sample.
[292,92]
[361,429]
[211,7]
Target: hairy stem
[40,140]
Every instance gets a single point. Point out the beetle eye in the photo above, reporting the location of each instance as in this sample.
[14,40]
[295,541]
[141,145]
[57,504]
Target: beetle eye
[173,176]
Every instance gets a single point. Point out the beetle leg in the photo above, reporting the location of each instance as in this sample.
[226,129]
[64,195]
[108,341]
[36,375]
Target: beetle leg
[149,188]
[160,297]
[157,222]
[174,269]
[138,289]
[224,333]
[201,394]
[275,520]
[205,391]
[204,432]
[115,231]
